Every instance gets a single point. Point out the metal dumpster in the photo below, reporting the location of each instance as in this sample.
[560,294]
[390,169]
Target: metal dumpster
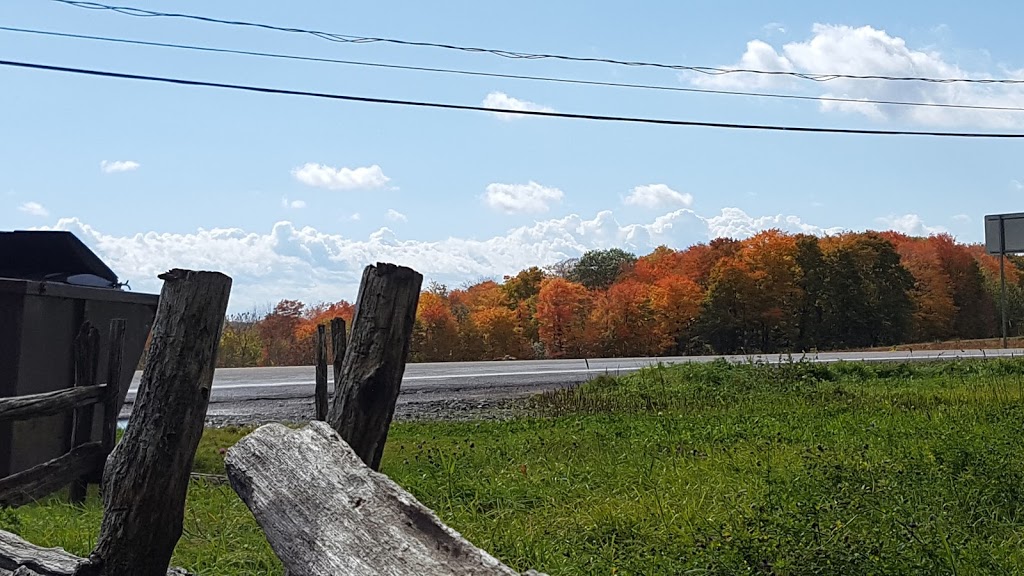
[50,283]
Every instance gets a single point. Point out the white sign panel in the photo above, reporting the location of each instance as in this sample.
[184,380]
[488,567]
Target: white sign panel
[1004,233]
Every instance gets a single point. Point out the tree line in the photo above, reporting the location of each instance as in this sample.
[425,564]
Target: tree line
[774,292]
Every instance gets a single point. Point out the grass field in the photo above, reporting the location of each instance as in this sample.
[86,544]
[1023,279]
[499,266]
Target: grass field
[696,469]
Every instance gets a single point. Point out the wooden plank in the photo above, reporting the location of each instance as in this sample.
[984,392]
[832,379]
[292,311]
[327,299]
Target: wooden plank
[325,512]
[45,479]
[147,475]
[87,351]
[26,559]
[49,403]
[375,359]
[320,397]
[338,341]
[112,393]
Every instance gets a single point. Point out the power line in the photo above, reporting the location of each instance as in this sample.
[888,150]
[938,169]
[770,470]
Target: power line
[510,76]
[350,39]
[424,104]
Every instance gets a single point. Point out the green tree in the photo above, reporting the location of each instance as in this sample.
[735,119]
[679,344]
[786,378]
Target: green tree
[866,297]
[726,320]
[812,284]
[598,269]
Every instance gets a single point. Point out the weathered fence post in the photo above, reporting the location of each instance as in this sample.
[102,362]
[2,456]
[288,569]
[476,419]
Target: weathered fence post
[371,373]
[321,373]
[87,355]
[338,341]
[115,358]
[146,476]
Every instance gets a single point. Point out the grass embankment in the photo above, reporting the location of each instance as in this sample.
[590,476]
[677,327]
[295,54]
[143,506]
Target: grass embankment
[715,469]
[978,344]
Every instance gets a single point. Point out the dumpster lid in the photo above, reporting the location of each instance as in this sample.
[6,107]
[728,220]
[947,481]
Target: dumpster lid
[52,255]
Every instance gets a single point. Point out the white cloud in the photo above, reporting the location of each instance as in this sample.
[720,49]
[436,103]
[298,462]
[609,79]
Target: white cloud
[304,263]
[772,28]
[355,217]
[759,55]
[396,216]
[34,209]
[866,50]
[735,223]
[502,101]
[528,198]
[322,176]
[109,167]
[293,203]
[657,196]
[910,224]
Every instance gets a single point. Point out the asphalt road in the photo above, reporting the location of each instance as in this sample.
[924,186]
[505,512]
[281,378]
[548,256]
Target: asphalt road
[495,380]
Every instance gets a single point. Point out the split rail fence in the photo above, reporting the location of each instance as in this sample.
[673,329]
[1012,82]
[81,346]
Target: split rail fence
[83,464]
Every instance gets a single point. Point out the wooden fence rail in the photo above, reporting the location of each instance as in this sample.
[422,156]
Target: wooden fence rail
[314,491]
[49,403]
[85,459]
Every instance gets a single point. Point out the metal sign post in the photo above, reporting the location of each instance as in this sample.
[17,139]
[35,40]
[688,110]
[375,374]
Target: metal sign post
[1004,234]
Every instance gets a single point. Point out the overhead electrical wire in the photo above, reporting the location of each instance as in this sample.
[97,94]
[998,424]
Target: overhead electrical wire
[546,114]
[351,39]
[211,49]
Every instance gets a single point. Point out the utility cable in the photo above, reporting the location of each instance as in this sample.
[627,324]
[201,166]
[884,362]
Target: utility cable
[350,39]
[552,114]
[510,76]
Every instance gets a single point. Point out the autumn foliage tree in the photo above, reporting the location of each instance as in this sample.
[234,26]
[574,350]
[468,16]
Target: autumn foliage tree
[772,292]
[435,334]
[562,311]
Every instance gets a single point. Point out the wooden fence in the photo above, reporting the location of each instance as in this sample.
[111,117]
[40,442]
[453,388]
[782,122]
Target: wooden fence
[84,462]
[324,508]
[338,344]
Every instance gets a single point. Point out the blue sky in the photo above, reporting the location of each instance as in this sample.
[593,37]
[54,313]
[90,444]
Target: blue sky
[293,196]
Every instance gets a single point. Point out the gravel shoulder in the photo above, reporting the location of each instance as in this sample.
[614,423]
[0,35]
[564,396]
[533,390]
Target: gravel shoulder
[257,412]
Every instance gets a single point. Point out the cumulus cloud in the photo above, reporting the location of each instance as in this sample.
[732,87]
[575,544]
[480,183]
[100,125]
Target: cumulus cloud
[911,224]
[323,176]
[657,196]
[305,263]
[759,55]
[286,203]
[735,223]
[396,216]
[866,50]
[528,198]
[34,209]
[112,167]
[502,101]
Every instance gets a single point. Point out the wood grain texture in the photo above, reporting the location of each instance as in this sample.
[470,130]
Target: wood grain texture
[320,395]
[40,481]
[325,512]
[146,476]
[378,347]
[21,558]
[87,356]
[339,341]
[49,403]
[112,394]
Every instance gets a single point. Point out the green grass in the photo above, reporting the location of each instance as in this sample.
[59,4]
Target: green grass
[696,469]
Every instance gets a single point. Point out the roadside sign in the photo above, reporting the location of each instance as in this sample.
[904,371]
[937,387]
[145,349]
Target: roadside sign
[1004,233]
